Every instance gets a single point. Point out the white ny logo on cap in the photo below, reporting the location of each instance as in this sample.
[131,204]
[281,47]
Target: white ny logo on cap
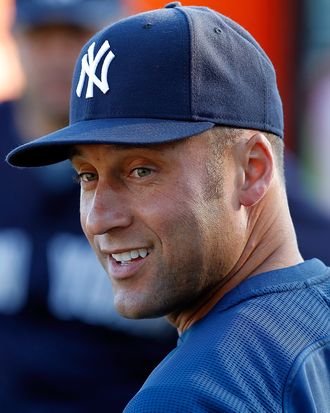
[89,65]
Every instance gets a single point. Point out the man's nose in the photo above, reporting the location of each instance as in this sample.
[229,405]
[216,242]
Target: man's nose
[108,209]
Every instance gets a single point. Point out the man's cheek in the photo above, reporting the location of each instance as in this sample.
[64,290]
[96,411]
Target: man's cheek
[82,223]
[83,212]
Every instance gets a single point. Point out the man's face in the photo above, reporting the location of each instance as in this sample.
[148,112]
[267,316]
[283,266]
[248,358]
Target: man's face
[48,55]
[151,216]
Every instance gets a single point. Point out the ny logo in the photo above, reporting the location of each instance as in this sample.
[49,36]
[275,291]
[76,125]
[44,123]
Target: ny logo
[89,65]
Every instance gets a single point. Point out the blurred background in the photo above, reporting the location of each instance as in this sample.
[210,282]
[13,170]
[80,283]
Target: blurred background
[296,36]
[63,347]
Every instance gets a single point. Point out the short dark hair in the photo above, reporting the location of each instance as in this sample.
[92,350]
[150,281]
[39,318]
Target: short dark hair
[223,137]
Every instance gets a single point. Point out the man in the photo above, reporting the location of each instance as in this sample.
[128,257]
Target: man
[176,137]
[63,347]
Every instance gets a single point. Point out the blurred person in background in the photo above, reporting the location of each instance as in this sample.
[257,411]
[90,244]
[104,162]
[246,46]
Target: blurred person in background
[307,171]
[312,225]
[314,101]
[63,348]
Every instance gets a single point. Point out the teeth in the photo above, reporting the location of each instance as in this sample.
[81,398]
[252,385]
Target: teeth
[143,253]
[130,255]
[126,256]
[134,254]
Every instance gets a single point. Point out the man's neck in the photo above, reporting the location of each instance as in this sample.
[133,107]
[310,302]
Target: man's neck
[271,246]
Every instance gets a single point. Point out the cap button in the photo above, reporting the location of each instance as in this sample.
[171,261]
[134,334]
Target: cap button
[172,5]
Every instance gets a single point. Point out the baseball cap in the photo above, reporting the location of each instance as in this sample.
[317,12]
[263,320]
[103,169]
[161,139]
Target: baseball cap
[161,76]
[88,14]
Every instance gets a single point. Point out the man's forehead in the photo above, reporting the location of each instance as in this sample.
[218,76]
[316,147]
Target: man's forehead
[86,149]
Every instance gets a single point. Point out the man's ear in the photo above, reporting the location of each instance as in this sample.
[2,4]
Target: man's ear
[257,164]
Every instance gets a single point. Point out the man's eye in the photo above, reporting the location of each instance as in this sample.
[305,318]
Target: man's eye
[141,172]
[86,177]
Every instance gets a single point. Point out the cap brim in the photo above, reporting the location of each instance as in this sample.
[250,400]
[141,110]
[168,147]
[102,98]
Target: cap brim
[56,147]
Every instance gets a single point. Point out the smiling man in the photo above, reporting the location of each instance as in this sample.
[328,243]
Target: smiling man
[160,255]
[176,135]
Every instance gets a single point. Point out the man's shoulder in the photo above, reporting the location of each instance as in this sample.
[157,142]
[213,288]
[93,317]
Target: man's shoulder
[6,111]
[164,399]
[6,107]
[239,356]
[307,387]
[9,133]
[308,383]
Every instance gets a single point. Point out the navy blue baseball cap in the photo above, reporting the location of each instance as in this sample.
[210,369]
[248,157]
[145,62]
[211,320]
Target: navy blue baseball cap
[87,14]
[162,76]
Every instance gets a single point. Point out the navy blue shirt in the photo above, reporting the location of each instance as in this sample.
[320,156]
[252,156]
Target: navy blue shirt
[264,347]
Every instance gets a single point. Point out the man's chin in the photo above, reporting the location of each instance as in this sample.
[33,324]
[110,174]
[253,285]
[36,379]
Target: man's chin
[137,311]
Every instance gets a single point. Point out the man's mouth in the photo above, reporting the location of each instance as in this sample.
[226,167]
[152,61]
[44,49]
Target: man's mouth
[128,256]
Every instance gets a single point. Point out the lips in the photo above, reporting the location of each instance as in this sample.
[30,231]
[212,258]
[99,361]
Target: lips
[127,264]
